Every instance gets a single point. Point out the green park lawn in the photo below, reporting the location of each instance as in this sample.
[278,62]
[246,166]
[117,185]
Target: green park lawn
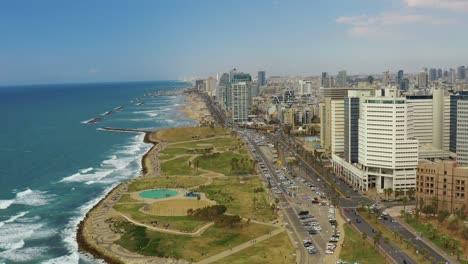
[356,249]
[213,241]
[241,190]
[181,223]
[166,182]
[223,162]
[276,250]
[177,166]
[189,133]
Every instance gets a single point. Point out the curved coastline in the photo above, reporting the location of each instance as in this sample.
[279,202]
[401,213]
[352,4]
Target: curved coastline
[85,243]
[84,237]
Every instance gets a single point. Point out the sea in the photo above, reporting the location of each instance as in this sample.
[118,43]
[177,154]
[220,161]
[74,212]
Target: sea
[54,167]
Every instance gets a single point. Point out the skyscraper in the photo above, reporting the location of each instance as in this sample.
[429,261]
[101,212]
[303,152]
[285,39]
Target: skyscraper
[404,85]
[241,96]
[341,79]
[385,78]
[462,136]
[452,76]
[422,80]
[400,76]
[461,73]
[439,73]
[462,95]
[325,81]
[261,76]
[432,74]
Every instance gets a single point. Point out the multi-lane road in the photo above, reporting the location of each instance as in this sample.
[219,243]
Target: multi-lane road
[351,201]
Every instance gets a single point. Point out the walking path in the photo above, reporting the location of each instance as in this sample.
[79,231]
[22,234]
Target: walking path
[242,246]
[170,231]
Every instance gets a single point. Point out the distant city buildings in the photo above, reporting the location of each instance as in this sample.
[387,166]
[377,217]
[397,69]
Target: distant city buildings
[341,79]
[422,80]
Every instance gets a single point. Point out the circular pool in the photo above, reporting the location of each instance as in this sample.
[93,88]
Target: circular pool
[158,194]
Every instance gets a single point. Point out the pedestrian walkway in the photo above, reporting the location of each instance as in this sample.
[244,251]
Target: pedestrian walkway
[242,246]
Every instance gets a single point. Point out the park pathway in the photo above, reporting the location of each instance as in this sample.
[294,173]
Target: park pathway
[242,246]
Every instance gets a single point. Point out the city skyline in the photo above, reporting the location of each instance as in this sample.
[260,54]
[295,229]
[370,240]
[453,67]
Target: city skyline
[55,42]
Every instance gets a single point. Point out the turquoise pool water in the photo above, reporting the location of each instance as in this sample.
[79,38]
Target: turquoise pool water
[158,194]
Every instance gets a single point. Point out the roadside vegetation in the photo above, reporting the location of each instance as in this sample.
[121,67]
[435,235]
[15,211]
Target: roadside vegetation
[357,249]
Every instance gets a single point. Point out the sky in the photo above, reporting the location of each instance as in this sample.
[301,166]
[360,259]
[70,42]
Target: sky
[63,41]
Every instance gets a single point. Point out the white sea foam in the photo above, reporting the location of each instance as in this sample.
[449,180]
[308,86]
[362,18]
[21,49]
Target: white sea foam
[23,254]
[86,170]
[4,204]
[28,197]
[69,233]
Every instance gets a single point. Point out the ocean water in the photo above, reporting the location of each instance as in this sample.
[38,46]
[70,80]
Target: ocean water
[54,167]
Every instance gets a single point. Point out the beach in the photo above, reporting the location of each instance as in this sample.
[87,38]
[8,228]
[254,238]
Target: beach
[94,234]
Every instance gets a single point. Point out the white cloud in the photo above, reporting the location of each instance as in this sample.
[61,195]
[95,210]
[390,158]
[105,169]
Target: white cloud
[385,24]
[452,5]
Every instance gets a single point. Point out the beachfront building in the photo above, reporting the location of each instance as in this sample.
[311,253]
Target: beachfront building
[241,96]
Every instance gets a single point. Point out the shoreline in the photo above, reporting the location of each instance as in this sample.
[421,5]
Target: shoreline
[84,236]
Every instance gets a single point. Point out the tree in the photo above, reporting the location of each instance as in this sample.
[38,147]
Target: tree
[435,203]
[364,237]
[453,224]
[404,201]
[411,193]
[424,252]
[445,240]
[377,238]
[465,234]
[458,252]
[441,216]
[389,191]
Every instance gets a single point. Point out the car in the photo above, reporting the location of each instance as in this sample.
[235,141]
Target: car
[358,220]
[307,244]
[329,252]
[312,250]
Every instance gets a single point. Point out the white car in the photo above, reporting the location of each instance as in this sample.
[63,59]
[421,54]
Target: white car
[329,252]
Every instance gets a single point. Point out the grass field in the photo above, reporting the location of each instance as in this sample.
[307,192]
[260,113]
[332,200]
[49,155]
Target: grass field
[241,190]
[276,250]
[222,163]
[355,249]
[223,142]
[177,206]
[214,240]
[127,199]
[181,223]
[177,166]
[166,182]
[187,133]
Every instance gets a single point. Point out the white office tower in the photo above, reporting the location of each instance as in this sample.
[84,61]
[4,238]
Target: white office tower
[452,76]
[388,151]
[304,88]
[241,104]
[423,117]
[462,132]
[337,126]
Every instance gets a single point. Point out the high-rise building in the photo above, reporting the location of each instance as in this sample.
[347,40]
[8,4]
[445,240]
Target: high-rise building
[462,129]
[325,80]
[305,87]
[341,79]
[422,112]
[351,124]
[388,152]
[461,73]
[462,95]
[452,76]
[337,126]
[422,80]
[261,78]
[404,85]
[432,74]
[210,86]
[439,74]
[440,119]
[385,78]
[400,76]
[241,101]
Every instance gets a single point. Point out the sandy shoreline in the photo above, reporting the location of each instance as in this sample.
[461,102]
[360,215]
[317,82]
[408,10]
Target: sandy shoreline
[93,234]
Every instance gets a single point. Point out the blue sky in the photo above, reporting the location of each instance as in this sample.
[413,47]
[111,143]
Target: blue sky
[58,41]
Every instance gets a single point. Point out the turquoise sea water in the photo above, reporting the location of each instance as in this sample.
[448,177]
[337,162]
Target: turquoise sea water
[54,167]
[158,194]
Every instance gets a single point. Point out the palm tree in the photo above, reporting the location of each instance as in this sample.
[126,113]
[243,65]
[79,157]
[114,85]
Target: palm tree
[364,237]
[404,201]
[389,191]
[445,240]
